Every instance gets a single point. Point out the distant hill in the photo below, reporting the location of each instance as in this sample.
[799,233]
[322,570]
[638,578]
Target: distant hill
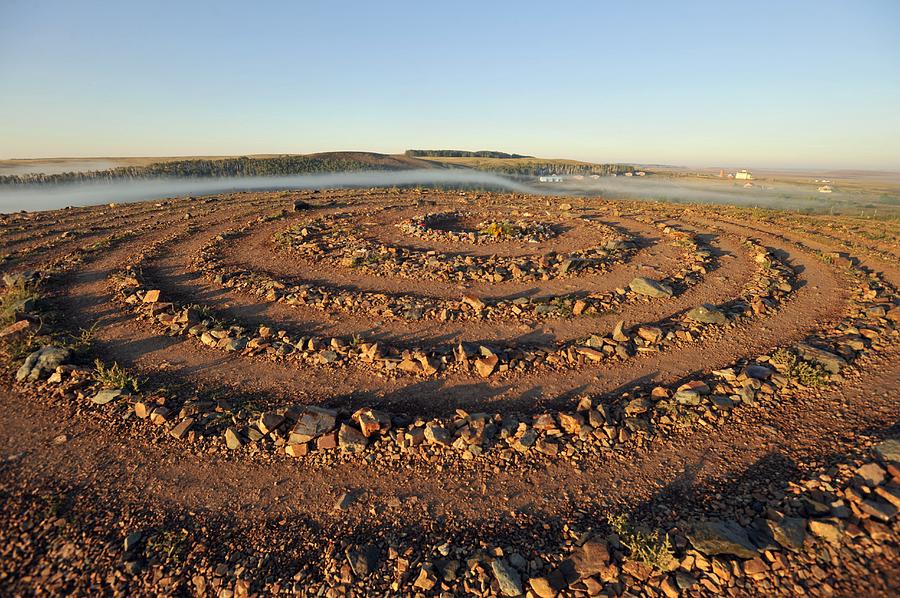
[244,166]
[461,154]
[528,166]
[513,165]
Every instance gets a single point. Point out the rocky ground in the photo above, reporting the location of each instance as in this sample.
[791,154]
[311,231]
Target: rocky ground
[426,393]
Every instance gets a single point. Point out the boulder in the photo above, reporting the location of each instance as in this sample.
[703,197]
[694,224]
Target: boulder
[649,287]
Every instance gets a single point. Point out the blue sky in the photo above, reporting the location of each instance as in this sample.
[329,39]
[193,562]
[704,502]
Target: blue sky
[792,84]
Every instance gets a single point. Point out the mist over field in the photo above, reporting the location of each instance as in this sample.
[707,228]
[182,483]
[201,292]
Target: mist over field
[49,197]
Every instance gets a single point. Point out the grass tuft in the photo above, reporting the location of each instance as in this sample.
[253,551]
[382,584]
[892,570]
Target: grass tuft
[651,548]
[800,371]
[114,376]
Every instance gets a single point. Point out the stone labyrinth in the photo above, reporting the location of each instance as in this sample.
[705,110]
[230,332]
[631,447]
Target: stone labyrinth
[473,393]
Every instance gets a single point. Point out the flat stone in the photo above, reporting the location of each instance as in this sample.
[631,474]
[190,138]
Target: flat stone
[725,537]
[707,314]
[151,296]
[591,558]
[105,396]
[485,366]
[650,288]
[351,440]
[831,362]
[236,344]
[269,421]
[507,577]
[314,422]
[829,531]
[879,510]
[181,429]
[372,421]
[437,434]
[872,474]
[362,560]
[889,450]
[473,302]
[790,532]
[619,332]
[233,438]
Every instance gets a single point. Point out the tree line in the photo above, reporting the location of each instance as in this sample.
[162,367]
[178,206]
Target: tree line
[220,167]
[418,153]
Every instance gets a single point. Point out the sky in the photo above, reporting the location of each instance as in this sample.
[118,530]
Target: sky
[764,84]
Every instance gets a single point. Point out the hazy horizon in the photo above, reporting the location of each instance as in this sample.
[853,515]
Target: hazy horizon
[810,85]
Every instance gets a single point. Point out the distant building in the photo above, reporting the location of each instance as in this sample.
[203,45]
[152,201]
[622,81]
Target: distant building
[551,178]
[640,173]
[629,174]
[743,175]
[748,185]
[825,189]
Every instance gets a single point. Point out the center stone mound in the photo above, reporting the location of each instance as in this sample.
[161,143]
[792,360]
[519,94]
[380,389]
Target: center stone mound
[477,228]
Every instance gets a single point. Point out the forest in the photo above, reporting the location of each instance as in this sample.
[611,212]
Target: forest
[221,167]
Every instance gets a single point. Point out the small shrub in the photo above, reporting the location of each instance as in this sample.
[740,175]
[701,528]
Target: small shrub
[800,371]
[82,340]
[168,545]
[651,548]
[114,376]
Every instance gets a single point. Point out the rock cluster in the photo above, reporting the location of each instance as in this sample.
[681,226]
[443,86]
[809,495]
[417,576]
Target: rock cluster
[488,231]
[334,238]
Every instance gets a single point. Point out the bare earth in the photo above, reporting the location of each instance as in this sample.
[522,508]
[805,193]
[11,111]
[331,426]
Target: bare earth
[498,472]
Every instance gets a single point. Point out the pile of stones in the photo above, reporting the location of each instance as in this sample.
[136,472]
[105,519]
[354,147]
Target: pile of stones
[488,231]
[335,238]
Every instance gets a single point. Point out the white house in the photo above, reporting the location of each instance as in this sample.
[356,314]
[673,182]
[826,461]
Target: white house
[743,175]
[825,189]
[551,178]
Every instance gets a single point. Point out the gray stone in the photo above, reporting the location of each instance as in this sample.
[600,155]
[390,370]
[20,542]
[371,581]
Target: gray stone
[314,422]
[508,578]
[437,434]
[889,450]
[233,439]
[723,537]
[131,541]
[708,314]
[43,361]
[760,372]
[105,396]
[362,560]
[649,287]
[351,440]
[236,344]
[831,362]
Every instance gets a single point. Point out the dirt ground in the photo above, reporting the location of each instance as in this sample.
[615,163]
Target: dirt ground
[96,500]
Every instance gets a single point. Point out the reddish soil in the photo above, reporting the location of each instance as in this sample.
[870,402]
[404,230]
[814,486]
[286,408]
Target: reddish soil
[266,508]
